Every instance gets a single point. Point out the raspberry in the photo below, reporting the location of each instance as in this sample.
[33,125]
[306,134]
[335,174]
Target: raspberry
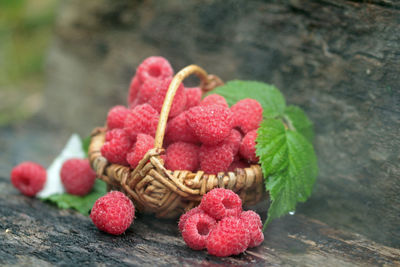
[220,203]
[185,216]
[142,119]
[197,229]
[193,96]
[179,102]
[28,177]
[154,68]
[143,143]
[77,176]
[247,114]
[229,237]
[179,130]
[237,165]
[116,148]
[133,90]
[252,222]
[116,117]
[182,156]
[113,213]
[211,124]
[248,147]
[214,99]
[147,90]
[214,159]
[234,140]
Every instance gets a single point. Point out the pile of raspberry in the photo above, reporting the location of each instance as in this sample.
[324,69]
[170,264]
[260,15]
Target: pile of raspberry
[201,134]
[220,226]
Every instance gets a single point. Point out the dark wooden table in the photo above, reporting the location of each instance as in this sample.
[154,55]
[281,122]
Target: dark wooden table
[33,233]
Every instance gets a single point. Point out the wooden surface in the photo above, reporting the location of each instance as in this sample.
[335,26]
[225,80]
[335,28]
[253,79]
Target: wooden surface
[33,233]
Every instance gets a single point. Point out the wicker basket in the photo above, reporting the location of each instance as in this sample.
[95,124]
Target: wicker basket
[166,193]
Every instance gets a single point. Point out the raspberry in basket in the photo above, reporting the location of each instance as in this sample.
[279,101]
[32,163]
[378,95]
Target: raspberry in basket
[214,159]
[113,213]
[133,90]
[178,103]
[143,143]
[147,90]
[142,119]
[179,130]
[116,117]
[77,176]
[234,140]
[214,99]
[220,203]
[248,147]
[182,156]
[157,68]
[28,177]
[247,114]
[117,146]
[193,96]
[211,124]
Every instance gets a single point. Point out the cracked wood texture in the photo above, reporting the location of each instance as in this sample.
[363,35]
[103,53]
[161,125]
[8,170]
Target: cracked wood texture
[338,60]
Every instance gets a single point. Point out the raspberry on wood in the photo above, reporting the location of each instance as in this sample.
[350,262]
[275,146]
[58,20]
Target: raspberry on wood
[214,99]
[113,213]
[182,156]
[143,144]
[77,176]
[197,229]
[211,124]
[220,203]
[252,222]
[28,177]
[248,114]
[248,147]
[229,237]
[185,216]
[116,117]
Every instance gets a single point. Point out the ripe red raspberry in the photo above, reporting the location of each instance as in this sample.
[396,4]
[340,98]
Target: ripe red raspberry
[113,213]
[142,119]
[116,117]
[133,90]
[234,140]
[154,68]
[197,229]
[252,222]
[178,104]
[28,177]
[117,147]
[193,96]
[229,237]
[214,159]
[237,164]
[77,176]
[143,143]
[220,203]
[211,124]
[147,90]
[179,130]
[214,99]
[247,114]
[182,156]
[248,147]
[185,216]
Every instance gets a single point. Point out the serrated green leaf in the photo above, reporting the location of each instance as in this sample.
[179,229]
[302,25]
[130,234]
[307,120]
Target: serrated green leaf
[298,119]
[289,166]
[81,204]
[85,145]
[269,96]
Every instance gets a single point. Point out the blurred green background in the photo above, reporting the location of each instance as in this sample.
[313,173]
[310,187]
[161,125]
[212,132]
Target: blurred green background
[25,34]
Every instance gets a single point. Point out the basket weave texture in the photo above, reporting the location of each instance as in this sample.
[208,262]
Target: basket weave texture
[165,193]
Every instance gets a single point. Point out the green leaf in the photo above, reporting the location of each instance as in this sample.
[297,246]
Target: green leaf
[81,204]
[289,166]
[85,145]
[298,120]
[269,96]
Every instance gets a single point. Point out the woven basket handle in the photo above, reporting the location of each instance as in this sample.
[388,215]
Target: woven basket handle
[208,82]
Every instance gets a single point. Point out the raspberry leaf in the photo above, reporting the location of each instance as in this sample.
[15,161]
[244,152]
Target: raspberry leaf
[289,166]
[297,119]
[81,204]
[269,96]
